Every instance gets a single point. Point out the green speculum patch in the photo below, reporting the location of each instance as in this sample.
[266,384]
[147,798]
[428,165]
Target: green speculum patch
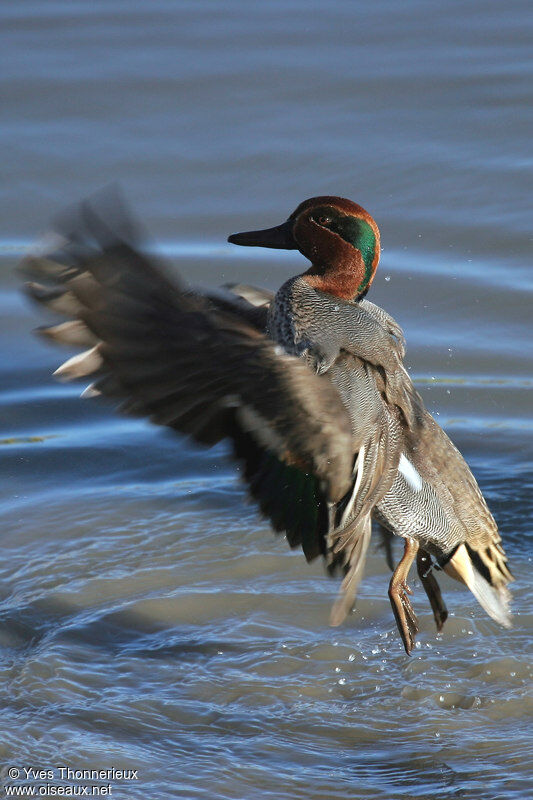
[359,234]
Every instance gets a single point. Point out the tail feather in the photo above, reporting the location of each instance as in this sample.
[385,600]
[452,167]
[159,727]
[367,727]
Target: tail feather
[355,567]
[491,591]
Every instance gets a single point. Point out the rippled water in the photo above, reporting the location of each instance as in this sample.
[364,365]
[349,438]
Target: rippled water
[148,617]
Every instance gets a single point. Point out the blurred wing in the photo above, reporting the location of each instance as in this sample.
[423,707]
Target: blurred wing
[232,299]
[199,365]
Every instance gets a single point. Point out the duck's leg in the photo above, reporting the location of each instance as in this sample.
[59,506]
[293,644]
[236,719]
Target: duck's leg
[398,591]
[386,545]
[429,582]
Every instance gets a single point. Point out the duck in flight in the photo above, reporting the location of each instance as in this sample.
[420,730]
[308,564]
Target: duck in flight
[309,385]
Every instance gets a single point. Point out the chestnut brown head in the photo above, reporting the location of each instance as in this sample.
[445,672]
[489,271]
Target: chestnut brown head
[337,235]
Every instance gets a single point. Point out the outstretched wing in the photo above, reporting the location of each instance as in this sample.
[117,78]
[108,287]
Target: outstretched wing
[197,364]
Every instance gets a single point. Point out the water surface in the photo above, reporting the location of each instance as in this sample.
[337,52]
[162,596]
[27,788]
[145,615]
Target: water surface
[148,617]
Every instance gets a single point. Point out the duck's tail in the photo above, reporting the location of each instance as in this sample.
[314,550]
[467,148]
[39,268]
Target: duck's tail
[486,574]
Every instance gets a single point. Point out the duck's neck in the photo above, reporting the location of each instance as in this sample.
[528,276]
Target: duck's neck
[349,278]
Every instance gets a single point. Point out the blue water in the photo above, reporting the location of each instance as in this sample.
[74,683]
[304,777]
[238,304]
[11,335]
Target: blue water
[148,617]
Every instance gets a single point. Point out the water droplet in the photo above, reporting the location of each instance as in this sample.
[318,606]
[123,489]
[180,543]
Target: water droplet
[387,278]
[342,681]
[351,657]
[437,735]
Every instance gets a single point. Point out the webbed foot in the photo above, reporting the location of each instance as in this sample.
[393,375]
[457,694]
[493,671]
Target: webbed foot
[399,592]
[432,588]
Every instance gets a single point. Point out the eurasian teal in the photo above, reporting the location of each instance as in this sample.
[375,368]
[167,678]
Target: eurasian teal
[309,385]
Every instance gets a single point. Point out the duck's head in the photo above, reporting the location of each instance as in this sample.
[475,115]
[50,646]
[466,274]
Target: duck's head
[338,236]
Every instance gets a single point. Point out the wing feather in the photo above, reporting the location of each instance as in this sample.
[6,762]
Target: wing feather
[199,365]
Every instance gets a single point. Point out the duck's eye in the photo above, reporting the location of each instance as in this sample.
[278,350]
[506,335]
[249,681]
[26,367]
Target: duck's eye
[323,220]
